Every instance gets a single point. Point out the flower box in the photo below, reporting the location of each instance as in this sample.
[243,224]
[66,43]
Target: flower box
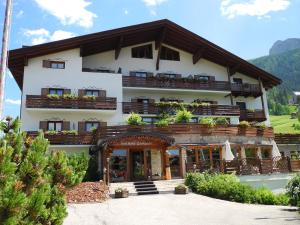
[181,190]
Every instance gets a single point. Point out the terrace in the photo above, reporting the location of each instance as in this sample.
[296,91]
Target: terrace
[252,115]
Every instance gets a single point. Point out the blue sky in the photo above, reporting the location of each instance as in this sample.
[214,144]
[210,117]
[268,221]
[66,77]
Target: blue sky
[247,28]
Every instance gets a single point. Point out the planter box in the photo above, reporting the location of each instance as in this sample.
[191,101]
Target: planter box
[156,177]
[181,191]
[118,194]
[123,194]
[295,165]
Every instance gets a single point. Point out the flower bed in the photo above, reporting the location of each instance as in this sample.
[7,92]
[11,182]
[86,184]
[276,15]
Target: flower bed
[87,192]
[228,187]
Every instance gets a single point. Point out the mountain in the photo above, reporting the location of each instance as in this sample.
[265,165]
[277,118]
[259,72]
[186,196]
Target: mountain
[284,46]
[286,66]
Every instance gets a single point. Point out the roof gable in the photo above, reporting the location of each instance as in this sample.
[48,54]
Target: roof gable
[161,31]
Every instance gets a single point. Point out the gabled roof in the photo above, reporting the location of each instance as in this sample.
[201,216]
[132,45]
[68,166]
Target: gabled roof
[163,31]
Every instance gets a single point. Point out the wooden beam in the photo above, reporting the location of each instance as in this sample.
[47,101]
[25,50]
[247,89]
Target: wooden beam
[158,58]
[262,96]
[81,51]
[233,70]
[198,55]
[25,61]
[160,38]
[119,47]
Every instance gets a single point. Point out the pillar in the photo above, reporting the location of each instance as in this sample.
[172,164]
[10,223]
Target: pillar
[167,166]
[183,162]
[243,152]
[258,152]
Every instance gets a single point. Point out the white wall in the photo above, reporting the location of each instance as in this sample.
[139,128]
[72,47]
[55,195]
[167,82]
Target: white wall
[72,77]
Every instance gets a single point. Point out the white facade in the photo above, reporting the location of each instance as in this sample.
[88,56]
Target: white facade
[36,77]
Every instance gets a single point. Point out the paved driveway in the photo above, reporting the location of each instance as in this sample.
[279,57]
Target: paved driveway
[170,209]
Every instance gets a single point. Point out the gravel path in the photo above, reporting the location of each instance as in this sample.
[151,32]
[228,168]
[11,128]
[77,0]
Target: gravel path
[170,209]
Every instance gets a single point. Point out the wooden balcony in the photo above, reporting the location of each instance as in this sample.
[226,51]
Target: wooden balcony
[99,103]
[175,83]
[85,138]
[287,138]
[153,108]
[246,90]
[187,129]
[250,115]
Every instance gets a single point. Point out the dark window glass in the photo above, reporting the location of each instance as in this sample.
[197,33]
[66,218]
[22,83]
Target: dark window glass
[237,80]
[150,120]
[56,91]
[144,52]
[141,74]
[242,105]
[194,120]
[91,125]
[54,126]
[92,93]
[169,54]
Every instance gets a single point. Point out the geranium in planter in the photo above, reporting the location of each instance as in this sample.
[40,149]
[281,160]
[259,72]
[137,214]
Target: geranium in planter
[181,189]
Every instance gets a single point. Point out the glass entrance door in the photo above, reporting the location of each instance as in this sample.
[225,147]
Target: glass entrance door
[138,172]
[174,160]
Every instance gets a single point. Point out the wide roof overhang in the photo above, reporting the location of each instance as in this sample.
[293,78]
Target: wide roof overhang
[161,31]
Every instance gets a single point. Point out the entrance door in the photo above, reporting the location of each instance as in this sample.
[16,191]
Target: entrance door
[174,160]
[138,165]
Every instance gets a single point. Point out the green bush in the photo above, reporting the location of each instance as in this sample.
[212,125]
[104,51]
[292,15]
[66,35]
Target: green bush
[134,119]
[221,121]
[209,121]
[228,187]
[32,182]
[244,124]
[293,190]
[162,123]
[183,116]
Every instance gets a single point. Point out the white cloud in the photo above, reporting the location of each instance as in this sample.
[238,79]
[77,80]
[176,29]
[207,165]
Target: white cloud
[258,8]
[69,11]
[13,102]
[126,12]
[153,2]
[20,14]
[153,12]
[40,36]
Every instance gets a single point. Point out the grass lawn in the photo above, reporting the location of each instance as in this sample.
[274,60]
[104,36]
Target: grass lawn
[283,124]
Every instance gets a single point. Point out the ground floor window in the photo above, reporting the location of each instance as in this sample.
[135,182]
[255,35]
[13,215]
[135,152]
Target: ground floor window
[118,165]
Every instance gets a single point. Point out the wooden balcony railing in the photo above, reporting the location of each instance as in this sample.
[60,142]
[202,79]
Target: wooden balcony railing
[153,108]
[245,90]
[175,129]
[175,83]
[287,138]
[250,115]
[85,138]
[39,101]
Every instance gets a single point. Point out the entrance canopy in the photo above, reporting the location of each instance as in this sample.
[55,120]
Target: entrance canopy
[137,140]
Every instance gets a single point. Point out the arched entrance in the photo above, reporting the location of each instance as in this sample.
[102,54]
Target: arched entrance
[132,157]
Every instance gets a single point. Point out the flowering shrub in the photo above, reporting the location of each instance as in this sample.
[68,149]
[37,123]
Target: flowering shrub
[293,190]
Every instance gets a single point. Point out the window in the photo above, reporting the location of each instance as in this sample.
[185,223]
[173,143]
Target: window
[150,120]
[194,120]
[242,105]
[237,80]
[144,52]
[92,93]
[202,78]
[141,74]
[89,126]
[56,91]
[169,54]
[53,64]
[54,126]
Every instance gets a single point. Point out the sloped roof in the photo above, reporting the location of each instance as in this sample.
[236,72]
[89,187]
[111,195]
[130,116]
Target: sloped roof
[163,30]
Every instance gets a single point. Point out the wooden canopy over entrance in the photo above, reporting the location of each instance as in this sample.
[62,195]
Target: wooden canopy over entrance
[137,140]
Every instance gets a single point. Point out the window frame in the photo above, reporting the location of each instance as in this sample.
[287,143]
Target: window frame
[237,80]
[91,122]
[138,51]
[153,119]
[92,92]
[201,78]
[238,104]
[57,63]
[56,90]
[55,124]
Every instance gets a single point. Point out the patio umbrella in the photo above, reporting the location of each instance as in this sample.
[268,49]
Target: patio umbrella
[227,153]
[275,150]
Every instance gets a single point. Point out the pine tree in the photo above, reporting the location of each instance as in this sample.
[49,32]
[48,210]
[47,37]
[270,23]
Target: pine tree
[33,182]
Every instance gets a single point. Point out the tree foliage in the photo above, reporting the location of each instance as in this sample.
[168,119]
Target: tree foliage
[32,182]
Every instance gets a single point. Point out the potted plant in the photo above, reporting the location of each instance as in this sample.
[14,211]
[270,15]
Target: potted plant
[121,193]
[156,176]
[134,120]
[243,126]
[181,189]
[208,123]
[183,116]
